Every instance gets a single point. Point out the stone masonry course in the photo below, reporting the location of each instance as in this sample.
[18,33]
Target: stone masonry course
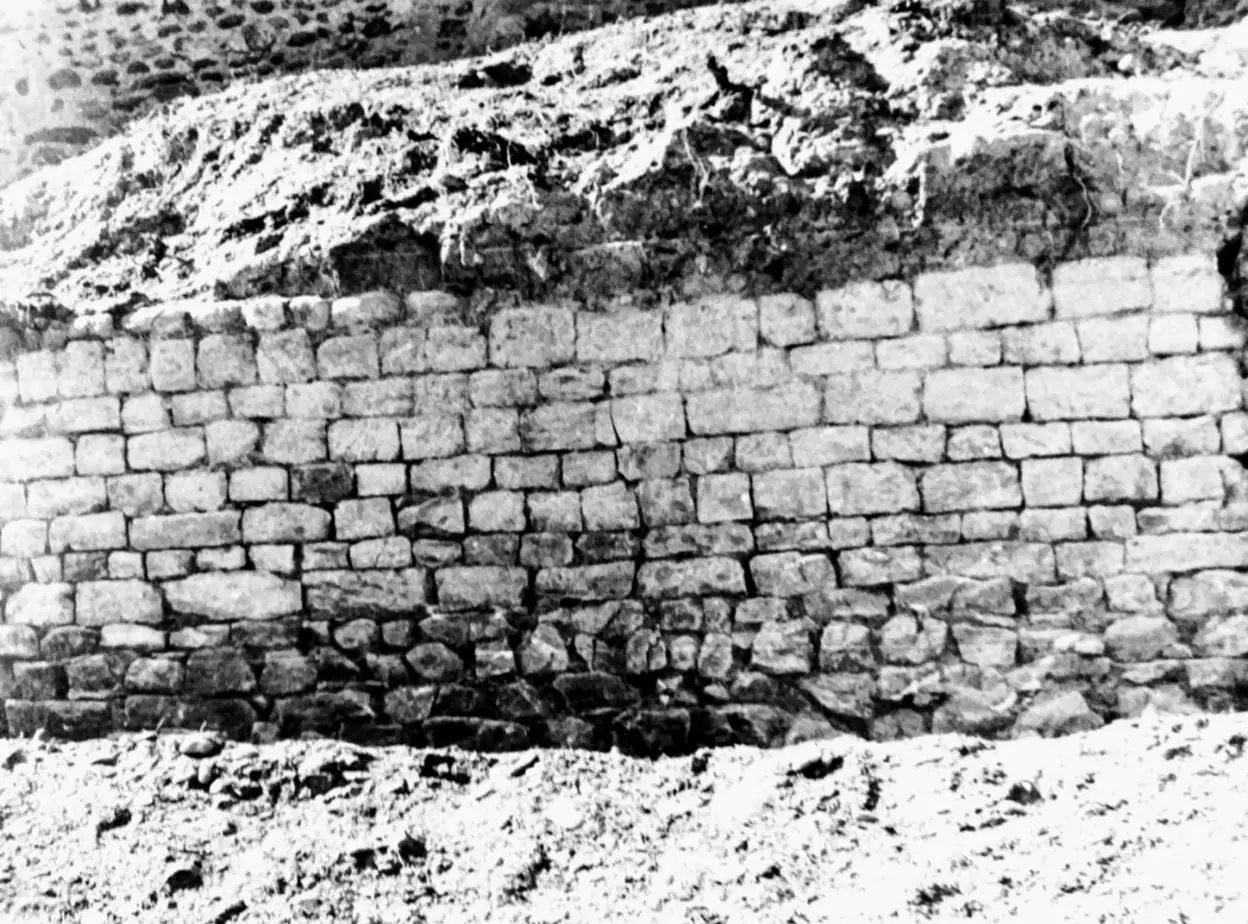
[973,501]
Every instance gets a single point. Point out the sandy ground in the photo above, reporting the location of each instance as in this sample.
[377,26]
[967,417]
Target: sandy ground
[1138,822]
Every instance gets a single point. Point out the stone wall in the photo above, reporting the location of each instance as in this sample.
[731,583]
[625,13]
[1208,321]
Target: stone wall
[973,501]
[75,71]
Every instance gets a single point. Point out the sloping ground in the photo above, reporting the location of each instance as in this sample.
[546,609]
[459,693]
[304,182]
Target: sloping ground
[1139,822]
[779,146]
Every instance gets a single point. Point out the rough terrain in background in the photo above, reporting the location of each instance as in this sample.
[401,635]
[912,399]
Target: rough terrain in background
[777,146]
[1141,822]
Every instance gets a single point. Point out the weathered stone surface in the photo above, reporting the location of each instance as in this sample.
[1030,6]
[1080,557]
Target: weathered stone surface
[1185,385]
[329,712]
[1073,393]
[235,595]
[745,410]
[588,691]
[593,582]
[847,696]
[987,296]
[101,603]
[1186,552]
[283,522]
[784,647]
[186,530]
[40,605]
[481,587]
[377,594]
[694,577]
[1058,714]
[970,486]
[974,395]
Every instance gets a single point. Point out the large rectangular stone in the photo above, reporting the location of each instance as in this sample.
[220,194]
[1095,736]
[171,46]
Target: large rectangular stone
[1062,393]
[166,450]
[348,357]
[974,395]
[125,366]
[371,440]
[753,410]
[226,359]
[431,436]
[865,310]
[712,326]
[1178,552]
[40,605]
[970,486]
[790,494]
[532,337]
[649,418]
[1024,562]
[89,533]
[619,336]
[481,588]
[611,581]
[1187,282]
[979,297]
[104,603]
[285,357]
[560,426]
[366,594]
[869,397]
[1101,285]
[691,578]
[30,459]
[284,522]
[66,497]
[80,370]
[230,596]
[84,415]
[1185,385]
[186,531]
[860,488]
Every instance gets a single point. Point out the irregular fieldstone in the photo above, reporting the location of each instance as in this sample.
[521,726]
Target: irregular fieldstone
[595,690]
[1059,714]
[784,647]
[155,675]
[286,673]
[519,702]
[974,712]
[1141,638]
[73,720]
[842,695]
[906,640]
[435,663]
[543,651]
[1225,636]
[489,735]
[749,724]
[410,705]
[651,733]
[212,672]
[325,712]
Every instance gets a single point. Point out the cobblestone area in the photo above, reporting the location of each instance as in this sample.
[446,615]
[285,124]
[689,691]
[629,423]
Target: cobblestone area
[973,502]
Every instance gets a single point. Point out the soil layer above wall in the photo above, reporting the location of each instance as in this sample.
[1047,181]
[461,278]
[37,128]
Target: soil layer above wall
[724,148]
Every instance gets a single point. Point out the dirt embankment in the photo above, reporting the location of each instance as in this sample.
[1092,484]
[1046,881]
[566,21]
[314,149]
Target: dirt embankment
[1140,822]
[773,147]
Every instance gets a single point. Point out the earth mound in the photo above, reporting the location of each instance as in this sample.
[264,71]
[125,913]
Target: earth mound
[1137,822]
[753,146]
